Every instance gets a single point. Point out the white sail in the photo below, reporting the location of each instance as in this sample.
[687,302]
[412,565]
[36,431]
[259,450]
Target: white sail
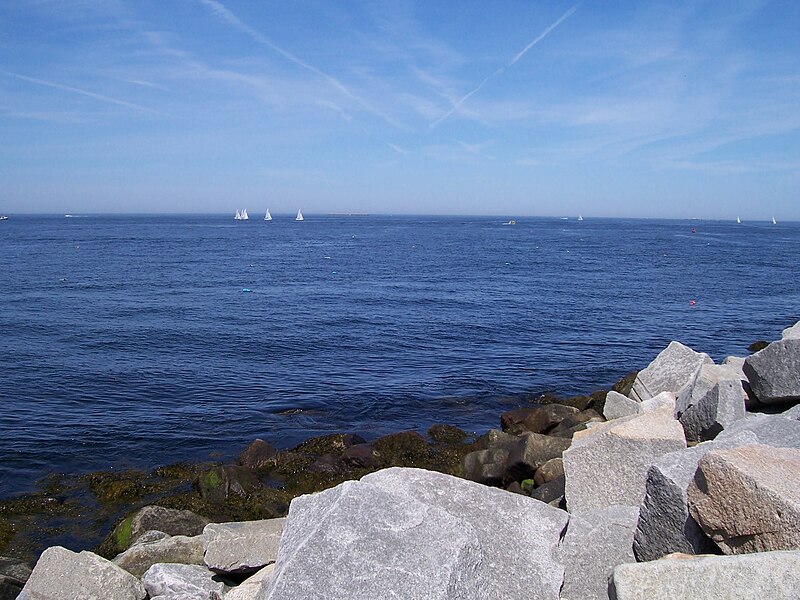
[738,220]
[580,217]
[268,217]
[774,222]
[299,216]
[244,215]
[238,216]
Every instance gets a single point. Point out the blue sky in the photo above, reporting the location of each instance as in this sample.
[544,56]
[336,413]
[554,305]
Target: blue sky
[641,109]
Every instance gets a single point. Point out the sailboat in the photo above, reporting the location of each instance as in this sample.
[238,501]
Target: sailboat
[268,217]
[774,222]
[738,220]
[244,215]
[238,216]
[580,217]
[299,216]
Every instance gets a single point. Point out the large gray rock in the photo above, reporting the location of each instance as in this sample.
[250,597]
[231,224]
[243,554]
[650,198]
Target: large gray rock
[773,575]
[774,372]
[251,587]
[607,464]
[618,406]
[144,554]
[417,534]
[792,413]
[531,452]
[242,547]
[710,402]
[791,333]
[665,525]
[771,430]
[166,520]
[737,364]
[167,579]
[668,372]
[60,574]
[747,499]
[594,544]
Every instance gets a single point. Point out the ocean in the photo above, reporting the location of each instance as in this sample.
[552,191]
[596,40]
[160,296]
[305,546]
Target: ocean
[138,341]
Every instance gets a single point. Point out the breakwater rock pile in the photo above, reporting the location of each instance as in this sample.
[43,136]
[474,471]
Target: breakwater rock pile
[682,482]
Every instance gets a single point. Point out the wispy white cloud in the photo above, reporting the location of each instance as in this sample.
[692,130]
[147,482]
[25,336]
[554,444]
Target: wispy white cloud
[502,69]
[79,91]
[397,148]
[224,14]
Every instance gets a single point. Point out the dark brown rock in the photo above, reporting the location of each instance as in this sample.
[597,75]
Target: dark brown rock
[494,439]
[625,385]
[552,492]
[13,575]
[258,454]
[486,466]
[758,346]
[552,469]
[361,456]
[536,420]
[531,452]
[570,422]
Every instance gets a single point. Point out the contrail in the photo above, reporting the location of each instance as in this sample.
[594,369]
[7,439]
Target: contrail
[226,15]
[75,90]
[502,69]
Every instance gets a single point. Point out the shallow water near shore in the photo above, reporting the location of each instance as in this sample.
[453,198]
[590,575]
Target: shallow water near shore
[130,341]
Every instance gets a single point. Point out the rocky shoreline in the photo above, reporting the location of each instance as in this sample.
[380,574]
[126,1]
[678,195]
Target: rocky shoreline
[578,497]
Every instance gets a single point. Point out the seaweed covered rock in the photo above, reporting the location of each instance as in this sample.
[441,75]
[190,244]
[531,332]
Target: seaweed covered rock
[258,454]
[334,444]
[540,419]
[404,449]
[219,483]
[151,518]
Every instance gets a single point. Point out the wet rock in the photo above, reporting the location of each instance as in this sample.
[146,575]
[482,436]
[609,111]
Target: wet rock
[151,518]
[486,466]
[242,547]
[573,423]
[595,543]
[250,588]
[117,487]
[446,434]
[406,449]
[334,444]
[710,402]
[625,385]
[550,470]
[167,579]
[361,456]
[13,575]
[774,372]
[617,406]
[747,499]
[665,525]
[219,483]
[535,420]
[668,372]
[773,575]
[607,464]
[758,346]
[531,451]
[258,454]
[421,535]
[171,549]
[61,574]
[579,402]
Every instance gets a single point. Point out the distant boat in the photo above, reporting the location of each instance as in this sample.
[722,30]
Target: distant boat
[511,222]
[3,218]
[244,215]
[268,217]
[299,216]
[238,216]
[738,220]
[580,217]
[774,222]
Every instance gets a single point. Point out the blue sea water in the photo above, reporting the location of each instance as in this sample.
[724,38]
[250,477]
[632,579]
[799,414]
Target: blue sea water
[130,341]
